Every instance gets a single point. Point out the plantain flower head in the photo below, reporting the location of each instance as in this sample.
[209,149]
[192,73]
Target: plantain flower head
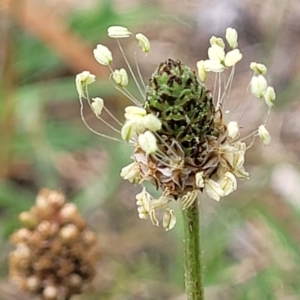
[55,252]
[181,141]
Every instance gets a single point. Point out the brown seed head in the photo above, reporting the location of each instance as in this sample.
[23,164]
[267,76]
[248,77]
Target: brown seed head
[55,253]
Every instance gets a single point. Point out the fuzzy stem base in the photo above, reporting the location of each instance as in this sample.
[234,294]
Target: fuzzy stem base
[192,249]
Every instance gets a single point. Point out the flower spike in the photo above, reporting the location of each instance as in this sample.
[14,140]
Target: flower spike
[182,142]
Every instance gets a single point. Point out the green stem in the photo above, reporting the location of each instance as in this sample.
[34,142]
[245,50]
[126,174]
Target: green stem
[192,249]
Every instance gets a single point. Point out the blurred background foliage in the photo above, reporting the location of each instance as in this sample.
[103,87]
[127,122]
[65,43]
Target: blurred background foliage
[251,241]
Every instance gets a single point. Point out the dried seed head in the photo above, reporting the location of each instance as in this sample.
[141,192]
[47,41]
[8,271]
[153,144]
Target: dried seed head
[55,258]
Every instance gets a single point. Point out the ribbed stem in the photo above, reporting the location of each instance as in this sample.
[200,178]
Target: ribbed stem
[192,249]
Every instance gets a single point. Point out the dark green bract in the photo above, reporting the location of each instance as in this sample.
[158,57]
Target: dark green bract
[183,105]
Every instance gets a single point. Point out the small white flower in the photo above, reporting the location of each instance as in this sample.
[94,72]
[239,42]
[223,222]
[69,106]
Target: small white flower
[134,122]
[228,183]
[213,66]
[234,157]
[82,80]
[188,199]
[153,218]
[233,130]
[264,134]
[201,70]
[133,111]
[232,57]
[129,129]
[120,77]
[270,96]
[147,206]
[143,42]
[143,203]
[258,86]
[118,32]
[160,203]
[151,122]
[259,69]
[131,173]
[239,150]
[213,189]
[97,105]
[199,180]
[103,55]
[216,53]
[231,37]
[147,142]
[218,41]
[169,219]
[241,172]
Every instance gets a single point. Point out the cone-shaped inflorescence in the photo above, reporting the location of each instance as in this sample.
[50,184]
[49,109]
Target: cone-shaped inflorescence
[191,132]
[55,252]
[183,105]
